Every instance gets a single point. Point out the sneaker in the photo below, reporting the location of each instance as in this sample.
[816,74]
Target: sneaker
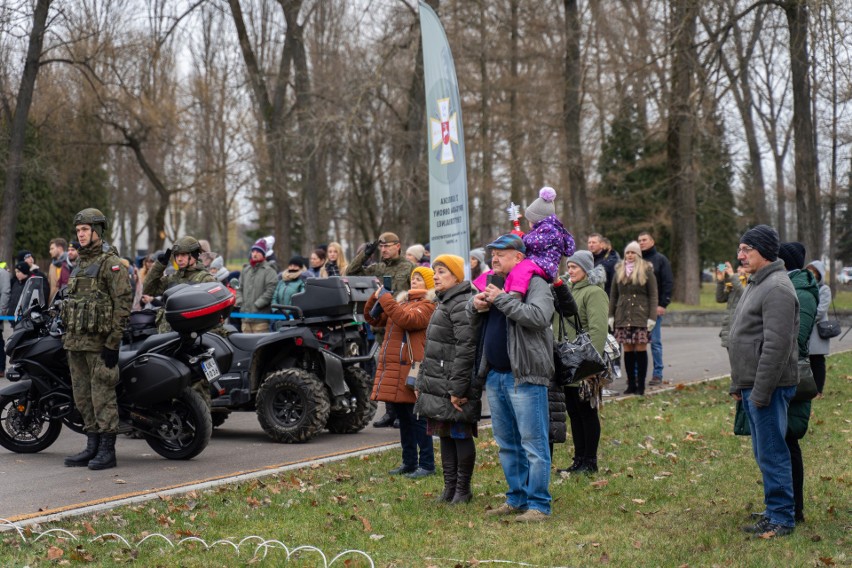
[655,381]
[764,528]
[420,472]
[607,392]
[504,510]
[402,470]
[532,516]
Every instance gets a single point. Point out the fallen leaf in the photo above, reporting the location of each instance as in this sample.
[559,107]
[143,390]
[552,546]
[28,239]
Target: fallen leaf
[827,560]
[253,502]
[367,526]
[638,501]
[637,544]
[599,484]
[377,536]
[88,527]
[604,558]
[54,553]
[596,544]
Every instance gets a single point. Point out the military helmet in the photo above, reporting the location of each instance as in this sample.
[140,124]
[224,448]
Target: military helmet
[93,217]
[189,245]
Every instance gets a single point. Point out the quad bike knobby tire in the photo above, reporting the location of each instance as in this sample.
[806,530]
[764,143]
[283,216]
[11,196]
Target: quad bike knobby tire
[292,405]
[361,386]
[189,429]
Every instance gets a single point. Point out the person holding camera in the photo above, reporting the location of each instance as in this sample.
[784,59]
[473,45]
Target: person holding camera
[729,288]
[405,319]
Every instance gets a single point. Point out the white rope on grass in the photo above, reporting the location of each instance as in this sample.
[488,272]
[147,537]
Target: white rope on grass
[263,544]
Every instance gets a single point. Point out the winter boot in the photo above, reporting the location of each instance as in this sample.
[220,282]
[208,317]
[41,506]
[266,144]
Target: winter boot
[575,465]
[588,465]
[449,463]
[106,453]
[82,459]
[467,460]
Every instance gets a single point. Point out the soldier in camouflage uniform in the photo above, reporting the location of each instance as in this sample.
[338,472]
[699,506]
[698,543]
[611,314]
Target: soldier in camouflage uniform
[95,313]
[186,251]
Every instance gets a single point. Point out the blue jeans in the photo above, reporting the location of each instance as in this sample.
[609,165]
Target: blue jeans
[768,428]
[519,420]
[412,435]
[657,348]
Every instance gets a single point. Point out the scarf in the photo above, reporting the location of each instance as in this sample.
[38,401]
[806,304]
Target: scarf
[628,268]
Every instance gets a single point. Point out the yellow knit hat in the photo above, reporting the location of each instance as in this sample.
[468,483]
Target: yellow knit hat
[428,275]
[454,263]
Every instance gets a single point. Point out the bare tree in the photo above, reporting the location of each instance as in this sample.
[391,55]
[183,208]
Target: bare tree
[18,129]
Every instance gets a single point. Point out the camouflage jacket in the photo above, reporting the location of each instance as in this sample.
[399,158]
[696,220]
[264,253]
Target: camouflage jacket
[399,268]
[155,284]
[98,304]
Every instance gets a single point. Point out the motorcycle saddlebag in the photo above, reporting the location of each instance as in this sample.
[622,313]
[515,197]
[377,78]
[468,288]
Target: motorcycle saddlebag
[197,307]
[151,378]
[324,297]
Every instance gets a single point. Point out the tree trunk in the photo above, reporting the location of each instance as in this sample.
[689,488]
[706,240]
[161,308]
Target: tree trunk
[572,122]
[680,154]
[809,228]
[18,132]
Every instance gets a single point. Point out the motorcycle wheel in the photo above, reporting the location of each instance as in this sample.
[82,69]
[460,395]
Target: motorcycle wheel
[361,386]
[25,435]
[189,431]
[292,406]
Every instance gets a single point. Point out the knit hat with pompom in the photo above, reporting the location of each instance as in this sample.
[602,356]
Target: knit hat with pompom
[541,207]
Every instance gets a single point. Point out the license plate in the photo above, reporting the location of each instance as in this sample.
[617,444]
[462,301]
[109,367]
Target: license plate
[211,369]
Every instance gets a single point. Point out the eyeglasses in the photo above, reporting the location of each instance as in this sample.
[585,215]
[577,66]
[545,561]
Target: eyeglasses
[744,250]
[388,245]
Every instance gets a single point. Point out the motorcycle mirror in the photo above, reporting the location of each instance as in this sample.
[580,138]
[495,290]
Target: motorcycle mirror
[234,283]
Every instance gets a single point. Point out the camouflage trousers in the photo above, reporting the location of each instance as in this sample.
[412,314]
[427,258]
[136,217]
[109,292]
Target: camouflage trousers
[94,391]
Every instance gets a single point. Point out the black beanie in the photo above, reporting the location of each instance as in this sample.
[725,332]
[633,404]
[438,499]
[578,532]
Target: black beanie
[297,260]
[763,238]
[793,255]
[23,267]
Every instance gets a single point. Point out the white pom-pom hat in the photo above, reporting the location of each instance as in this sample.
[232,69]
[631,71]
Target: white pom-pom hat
[541,207]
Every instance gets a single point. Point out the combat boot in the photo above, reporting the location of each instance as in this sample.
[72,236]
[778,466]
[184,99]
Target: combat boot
[106,453]
[82,459]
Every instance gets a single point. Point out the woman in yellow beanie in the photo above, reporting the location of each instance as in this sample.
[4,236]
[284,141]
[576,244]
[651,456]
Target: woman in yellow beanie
[405,319]
[447,394]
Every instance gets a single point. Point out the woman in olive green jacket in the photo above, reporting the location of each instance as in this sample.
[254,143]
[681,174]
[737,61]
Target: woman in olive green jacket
[633,313]
[592,306]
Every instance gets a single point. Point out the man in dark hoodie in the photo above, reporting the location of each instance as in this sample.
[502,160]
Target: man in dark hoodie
[665,285]
[603,256]
[764,371]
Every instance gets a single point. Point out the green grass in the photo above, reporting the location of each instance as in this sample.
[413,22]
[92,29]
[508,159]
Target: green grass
[674,488]
[707,299]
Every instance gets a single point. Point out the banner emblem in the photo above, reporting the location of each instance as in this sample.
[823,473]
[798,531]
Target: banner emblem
[445,130]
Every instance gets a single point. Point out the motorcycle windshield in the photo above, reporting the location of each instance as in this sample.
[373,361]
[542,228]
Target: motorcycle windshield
[31,296]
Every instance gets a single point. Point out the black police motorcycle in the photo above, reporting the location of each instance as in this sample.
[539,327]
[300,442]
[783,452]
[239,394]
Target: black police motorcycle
[155,397]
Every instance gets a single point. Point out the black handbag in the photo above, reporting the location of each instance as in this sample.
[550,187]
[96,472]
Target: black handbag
[807,388]
[575,359]
[829,328]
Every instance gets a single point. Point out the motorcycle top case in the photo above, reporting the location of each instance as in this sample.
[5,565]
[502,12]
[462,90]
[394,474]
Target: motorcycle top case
[197,307]
[152,378]
[361,287]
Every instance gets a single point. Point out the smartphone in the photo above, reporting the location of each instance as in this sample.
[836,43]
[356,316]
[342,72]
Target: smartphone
[387,282]
[496,279]
[721,267]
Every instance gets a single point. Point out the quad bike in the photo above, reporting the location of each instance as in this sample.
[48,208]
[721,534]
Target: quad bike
[307,375]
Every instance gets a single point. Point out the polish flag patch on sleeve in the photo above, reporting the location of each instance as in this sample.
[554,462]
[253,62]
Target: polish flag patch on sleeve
[115,268]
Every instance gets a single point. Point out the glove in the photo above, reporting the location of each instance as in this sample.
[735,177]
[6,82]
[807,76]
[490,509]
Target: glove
[652,324]
[611,322]
[163,257]
[110,357]
[370,249]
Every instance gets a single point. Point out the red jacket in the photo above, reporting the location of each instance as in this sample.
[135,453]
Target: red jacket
[404,318]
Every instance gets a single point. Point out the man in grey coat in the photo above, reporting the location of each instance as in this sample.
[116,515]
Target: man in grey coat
[763,353]
[516,380]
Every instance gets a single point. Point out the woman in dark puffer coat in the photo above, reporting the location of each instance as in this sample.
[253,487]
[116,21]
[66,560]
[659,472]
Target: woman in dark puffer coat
[405,320]
[448,396]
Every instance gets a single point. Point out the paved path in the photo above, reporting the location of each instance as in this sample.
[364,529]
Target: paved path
[35,485]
